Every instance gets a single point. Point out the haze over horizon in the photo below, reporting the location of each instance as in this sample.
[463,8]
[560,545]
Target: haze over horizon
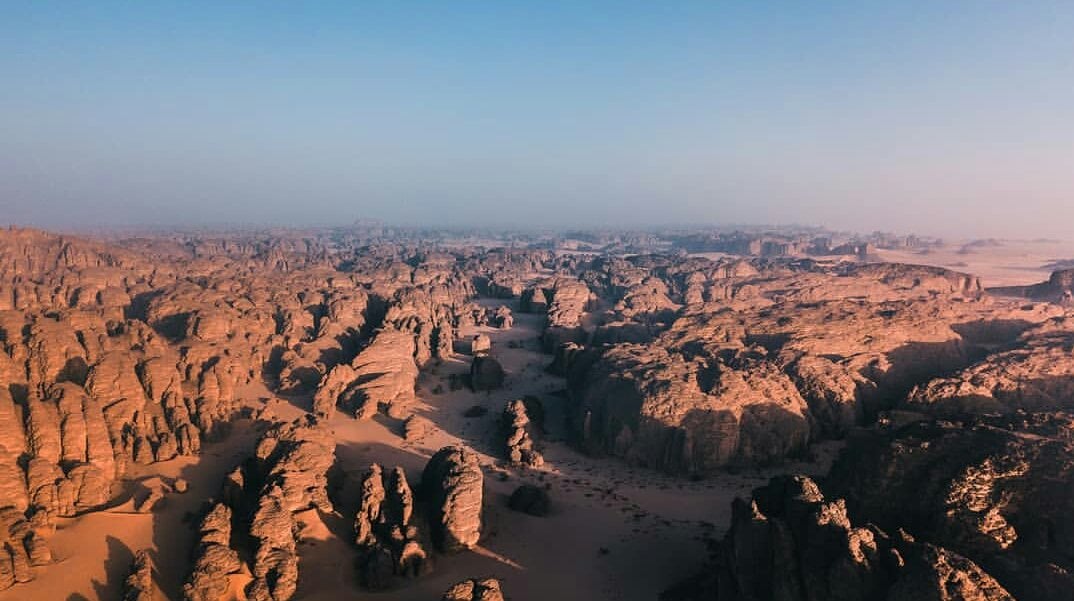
[951,119]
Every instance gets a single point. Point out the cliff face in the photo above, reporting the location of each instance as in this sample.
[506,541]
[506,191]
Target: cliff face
[993,489]
[689,399]
[790,542]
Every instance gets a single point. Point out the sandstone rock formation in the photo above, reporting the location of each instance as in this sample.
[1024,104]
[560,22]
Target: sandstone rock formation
[1037,375]
[139,583]
[389,543]
[382,375]
[789,542]
[214,559]
[480,345]
[485,589]
[519,436]
[486,373]
[295,458]
[990,488]
[452,486]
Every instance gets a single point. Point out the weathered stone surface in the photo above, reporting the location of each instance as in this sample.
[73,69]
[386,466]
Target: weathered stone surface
[990,489]
[519,436]
[789,542]
[416,427]
[296,457]
[20,548]
[485,589]
[138,585]
[657,409]
[390,546]
[453,486]
[382,375]
[214,559]
[275,567]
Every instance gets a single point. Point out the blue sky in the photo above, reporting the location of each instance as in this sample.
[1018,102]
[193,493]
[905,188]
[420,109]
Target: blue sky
[938,117]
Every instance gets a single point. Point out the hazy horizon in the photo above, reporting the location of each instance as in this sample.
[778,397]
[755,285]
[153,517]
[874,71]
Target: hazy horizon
[951,119]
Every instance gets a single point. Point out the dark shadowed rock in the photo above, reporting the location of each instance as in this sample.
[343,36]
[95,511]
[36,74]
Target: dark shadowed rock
[531,500]
[486,373]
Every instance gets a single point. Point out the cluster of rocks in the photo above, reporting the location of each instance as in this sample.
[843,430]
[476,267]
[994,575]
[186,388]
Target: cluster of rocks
[563,300]
[991,488]
[958,492]
[390,526]
[381,376]
[23,546]
[288,474]
[484,589]
[390,544]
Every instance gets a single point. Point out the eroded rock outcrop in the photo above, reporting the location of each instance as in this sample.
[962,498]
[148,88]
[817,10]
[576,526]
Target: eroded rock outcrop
[661,410]
[1037,375]
[519,436]
[993,489]
[382,375]
[789,542]
[485,589]
[138,585]
[452,485]
[390,544]
[214,559]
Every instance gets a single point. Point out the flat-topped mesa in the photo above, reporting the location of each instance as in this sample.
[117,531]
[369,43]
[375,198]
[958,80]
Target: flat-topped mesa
[452,486]
[390,545]
[923,279]
[789,542]
[1058,289]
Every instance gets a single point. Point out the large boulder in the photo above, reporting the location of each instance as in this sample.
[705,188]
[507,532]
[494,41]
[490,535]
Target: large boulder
[453,487]
[486,373]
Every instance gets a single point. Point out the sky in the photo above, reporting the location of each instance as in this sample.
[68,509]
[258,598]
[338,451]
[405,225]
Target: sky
[951,118]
